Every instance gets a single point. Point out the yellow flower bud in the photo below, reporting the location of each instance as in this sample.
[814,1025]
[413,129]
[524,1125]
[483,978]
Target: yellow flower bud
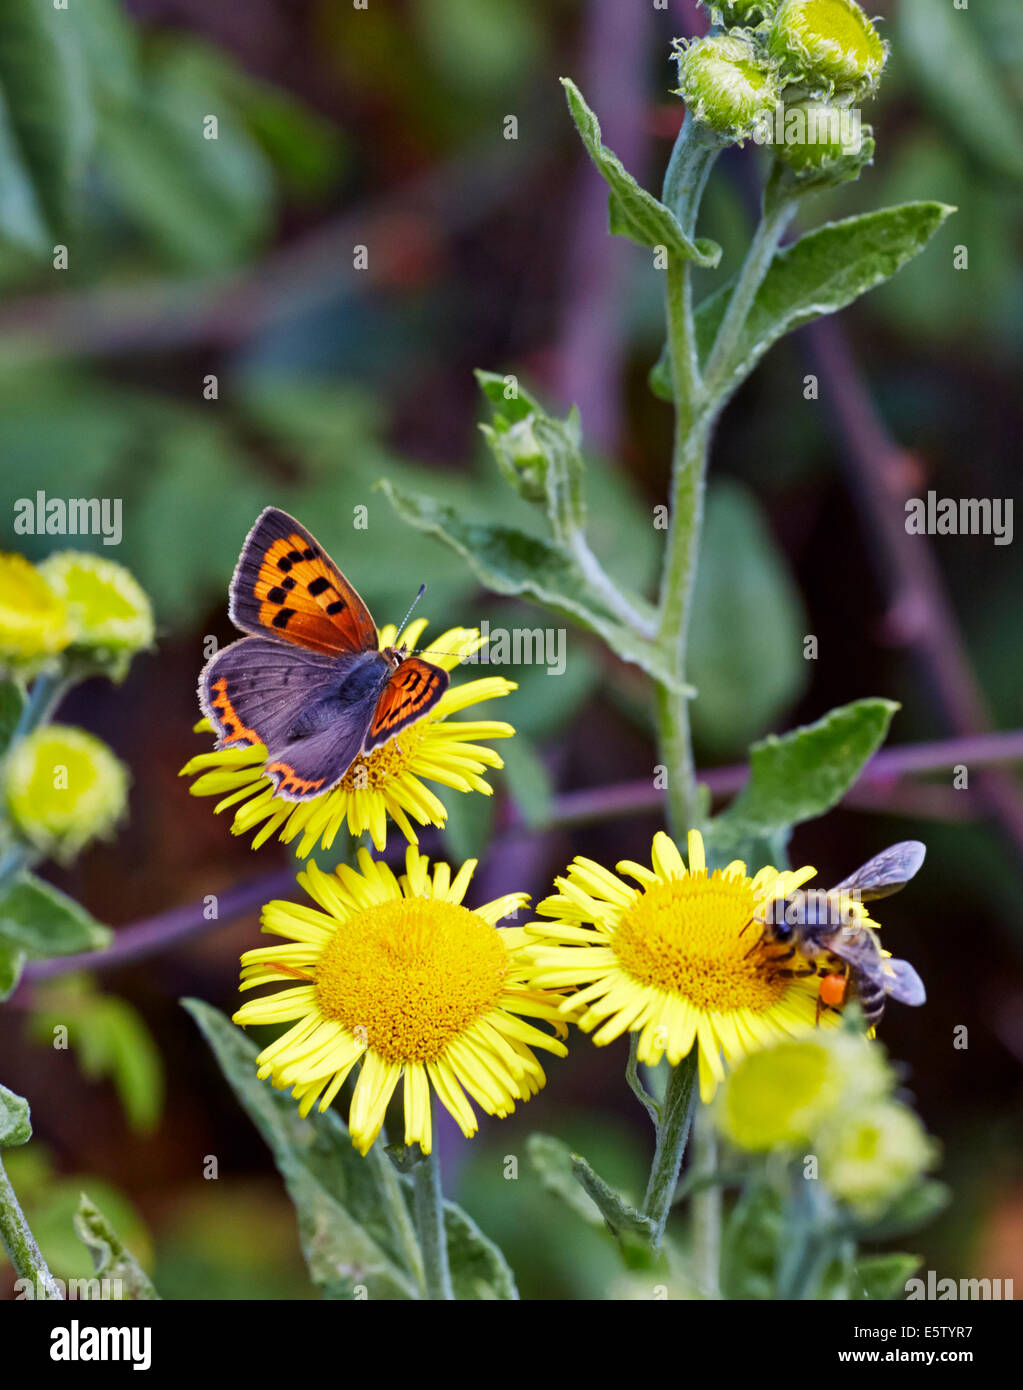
[63,787]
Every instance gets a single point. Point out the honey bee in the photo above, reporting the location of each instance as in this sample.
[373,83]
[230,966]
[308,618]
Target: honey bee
[827,932]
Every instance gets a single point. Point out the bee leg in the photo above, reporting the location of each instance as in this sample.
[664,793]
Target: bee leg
[758,942]
[795,974]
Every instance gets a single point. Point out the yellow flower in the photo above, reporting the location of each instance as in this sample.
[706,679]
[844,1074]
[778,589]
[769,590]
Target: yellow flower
[388,781]
[33,620]
[672,959]
[399,974]
[63,787]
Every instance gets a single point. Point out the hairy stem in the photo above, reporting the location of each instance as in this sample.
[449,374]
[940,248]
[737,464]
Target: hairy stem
[705,1211]
[20,1243]
[768,234]
[433,1241]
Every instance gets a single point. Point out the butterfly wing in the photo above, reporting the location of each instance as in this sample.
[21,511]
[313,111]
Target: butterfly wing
[414,688]
[286,585]
[261,691]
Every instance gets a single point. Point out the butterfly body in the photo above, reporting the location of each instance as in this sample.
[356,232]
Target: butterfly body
[311,682]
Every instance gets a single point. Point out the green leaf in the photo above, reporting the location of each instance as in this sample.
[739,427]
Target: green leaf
[42,921]
[12,701]
[529,782]
[883,1276]
[15,1124]
[570,1177]
[111,1260]
[205,203]
[478,1269]
[746,639]
[11,962]
[804,773]
[110,1040]
[821,273]
[46,136]
[944,52]
[347,1237]
[750,1247]
[632,211]
[508,561]
[342,1227]
[553,1163]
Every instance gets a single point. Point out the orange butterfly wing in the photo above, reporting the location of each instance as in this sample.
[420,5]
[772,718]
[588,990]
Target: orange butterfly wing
[413,689]
[286,585]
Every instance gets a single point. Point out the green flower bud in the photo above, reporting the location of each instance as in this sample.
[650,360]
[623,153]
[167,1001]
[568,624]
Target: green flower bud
[520,457]
[818,136]
[869,1156]
[110,614]
[34,621]
[726,84]
[829,43]
[63,787]
[746,12]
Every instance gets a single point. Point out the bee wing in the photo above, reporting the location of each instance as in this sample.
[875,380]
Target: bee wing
[887,872]
[858,949]
[903,983]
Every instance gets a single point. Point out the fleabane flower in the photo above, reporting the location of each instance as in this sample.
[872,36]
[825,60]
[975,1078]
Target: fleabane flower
[675,959]
[398,977]
[389,781]
[34,624]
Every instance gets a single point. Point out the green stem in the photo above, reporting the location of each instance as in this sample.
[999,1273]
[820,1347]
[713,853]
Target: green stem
[691,161]
[433,1240]
[705,1209]
[672,1132]
[41,704]
[769,232]
[20,1243]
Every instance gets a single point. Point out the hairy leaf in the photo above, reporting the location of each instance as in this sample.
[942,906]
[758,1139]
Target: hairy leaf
[632,211]
[15,1123]
[821,273]
[508,561]
[804,773]
[42,921]
[110,1258]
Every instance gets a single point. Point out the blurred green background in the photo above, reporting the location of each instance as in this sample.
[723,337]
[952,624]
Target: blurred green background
[235,258]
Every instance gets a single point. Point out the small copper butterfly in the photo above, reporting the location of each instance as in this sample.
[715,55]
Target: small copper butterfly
[311,682]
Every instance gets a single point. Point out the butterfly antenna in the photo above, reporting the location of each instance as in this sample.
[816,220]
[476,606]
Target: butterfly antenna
[404,621]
